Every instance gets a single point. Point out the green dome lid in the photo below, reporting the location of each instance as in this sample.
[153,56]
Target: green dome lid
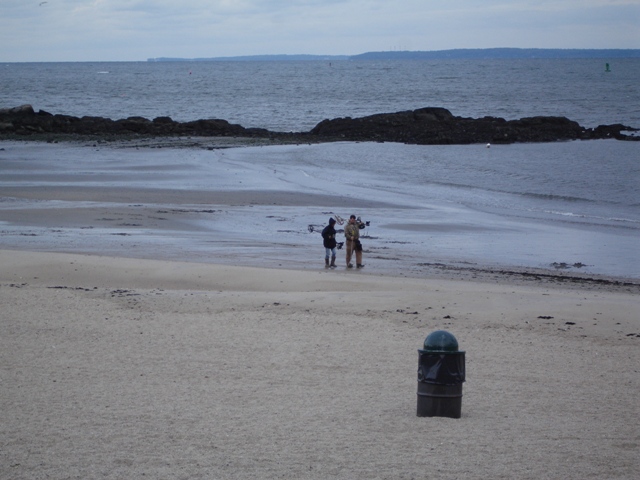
[441,341]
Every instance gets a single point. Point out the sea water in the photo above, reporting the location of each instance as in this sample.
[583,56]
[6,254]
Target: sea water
[531,205]
[295,96]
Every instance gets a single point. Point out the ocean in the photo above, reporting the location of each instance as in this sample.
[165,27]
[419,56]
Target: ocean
[296,96]
[569,205]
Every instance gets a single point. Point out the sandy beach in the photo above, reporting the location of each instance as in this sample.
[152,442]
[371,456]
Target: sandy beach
[122,368]
[169,316]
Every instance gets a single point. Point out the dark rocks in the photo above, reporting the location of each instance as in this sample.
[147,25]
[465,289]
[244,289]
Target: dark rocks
[424,126]
[24,121]
[21,110]
[612,131]
[438,126]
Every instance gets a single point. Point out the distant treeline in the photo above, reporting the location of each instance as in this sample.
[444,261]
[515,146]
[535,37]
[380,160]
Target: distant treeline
[462,53]
[256,58]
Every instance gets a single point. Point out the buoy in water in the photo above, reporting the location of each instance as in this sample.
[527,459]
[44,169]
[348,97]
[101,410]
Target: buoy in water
[606,67]
[488,145]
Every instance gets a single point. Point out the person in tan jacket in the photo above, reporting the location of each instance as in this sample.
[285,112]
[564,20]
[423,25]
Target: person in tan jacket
[352,234]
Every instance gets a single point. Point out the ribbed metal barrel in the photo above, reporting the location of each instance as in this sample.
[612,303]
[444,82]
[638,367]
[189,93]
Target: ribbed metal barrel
[439,400]
[441,373]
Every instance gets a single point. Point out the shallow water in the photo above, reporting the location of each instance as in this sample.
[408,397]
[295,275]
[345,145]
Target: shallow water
[425,204]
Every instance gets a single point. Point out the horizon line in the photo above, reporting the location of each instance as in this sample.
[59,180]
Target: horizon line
[312,56]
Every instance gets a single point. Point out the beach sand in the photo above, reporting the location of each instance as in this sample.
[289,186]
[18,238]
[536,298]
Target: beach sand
[137,368]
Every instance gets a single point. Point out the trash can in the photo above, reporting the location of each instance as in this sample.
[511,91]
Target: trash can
[441,373]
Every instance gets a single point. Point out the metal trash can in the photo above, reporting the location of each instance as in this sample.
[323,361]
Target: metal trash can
[441,373]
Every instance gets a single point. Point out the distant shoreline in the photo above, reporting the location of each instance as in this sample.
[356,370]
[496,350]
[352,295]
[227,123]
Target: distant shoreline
[453,54]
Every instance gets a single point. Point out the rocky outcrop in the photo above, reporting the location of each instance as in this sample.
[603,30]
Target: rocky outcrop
[428,126]
[425,126]
[24,120]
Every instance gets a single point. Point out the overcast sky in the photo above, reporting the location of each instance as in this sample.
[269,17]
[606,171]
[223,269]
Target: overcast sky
[110,30]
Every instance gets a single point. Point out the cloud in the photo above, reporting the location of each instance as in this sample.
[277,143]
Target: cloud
[136,29]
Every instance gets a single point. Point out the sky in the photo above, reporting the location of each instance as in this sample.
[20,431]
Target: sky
[134,30]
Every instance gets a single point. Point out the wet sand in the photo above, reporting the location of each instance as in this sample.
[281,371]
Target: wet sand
[193,202]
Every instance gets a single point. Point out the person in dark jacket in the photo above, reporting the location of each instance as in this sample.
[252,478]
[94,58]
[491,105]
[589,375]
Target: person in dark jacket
[329,242]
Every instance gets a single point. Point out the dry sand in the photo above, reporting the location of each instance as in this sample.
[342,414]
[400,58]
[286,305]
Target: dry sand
[120,368]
